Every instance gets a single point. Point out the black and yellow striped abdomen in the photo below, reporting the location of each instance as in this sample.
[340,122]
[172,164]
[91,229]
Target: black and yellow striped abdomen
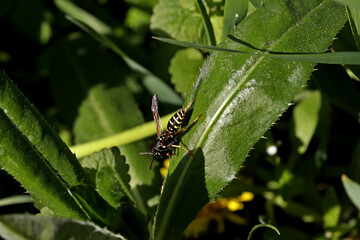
[175,121]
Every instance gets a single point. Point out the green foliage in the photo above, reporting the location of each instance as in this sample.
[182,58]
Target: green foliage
[19,226]
[181,21]
[306,117]
[92,74]
[263,87]
[184,68]
[352,189]
[262,225]
[234,12]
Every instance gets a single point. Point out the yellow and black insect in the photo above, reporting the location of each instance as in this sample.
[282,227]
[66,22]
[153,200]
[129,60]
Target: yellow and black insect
[167,141]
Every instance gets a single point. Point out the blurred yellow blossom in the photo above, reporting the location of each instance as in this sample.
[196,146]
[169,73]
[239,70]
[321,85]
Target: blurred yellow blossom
[219,211]
[164,169]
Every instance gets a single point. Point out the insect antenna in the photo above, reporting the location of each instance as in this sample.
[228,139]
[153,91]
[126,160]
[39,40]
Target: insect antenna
[146,153]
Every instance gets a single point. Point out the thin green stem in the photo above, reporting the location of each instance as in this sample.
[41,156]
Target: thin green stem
[132,135]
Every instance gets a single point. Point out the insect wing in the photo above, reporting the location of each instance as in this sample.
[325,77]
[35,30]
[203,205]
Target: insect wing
[155,112]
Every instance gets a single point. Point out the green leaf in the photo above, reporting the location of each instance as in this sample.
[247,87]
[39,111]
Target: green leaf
[33,153]
[179,21]
[21,227]
[110,175]
[42,136]
[17,199]
[306,118]
[352,189]
[257,3]
[240,97]
[96,207]
[102,106]
[262,225]
[100,31]
[184,68]
[126,219]
[234,12]
[331,208]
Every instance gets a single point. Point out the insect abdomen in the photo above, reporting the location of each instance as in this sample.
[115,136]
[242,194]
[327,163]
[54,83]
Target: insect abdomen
[175,121]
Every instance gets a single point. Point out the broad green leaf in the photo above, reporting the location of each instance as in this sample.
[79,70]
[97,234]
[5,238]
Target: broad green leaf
[100,31]
[184,68]
[33,153]
[352,189]
[339,88]
[108,170]
[240,97]
[331,208]
[21,227]
[127,220]
[102,106]
[262,225]
[257,3]
[179,21]
[39,133]
[96,207]
[17,199]
[234,12]
[306,118]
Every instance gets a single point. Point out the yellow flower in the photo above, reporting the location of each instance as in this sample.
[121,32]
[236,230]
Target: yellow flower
[219,211]
[165,168]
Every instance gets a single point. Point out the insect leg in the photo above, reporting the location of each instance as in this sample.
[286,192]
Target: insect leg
[184,128]
[188,106]
[178,146]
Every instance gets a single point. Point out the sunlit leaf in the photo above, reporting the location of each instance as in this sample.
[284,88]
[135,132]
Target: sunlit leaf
[20,227]
[33,153]
[306,117]
[109,172]
[240,97]
[352,189]
[331,208]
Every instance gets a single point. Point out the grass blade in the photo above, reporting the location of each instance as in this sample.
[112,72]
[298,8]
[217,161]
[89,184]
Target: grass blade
[234,12]
[352,58]
[207,23]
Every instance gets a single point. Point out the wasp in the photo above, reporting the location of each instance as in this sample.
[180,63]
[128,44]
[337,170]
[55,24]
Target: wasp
[167,140]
